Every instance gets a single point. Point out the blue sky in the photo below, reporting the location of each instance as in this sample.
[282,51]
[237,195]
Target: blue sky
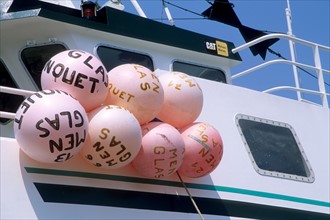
[310,21]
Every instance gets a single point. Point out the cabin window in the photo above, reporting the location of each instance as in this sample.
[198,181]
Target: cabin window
[8,102]
[112,57]
[35,58]
[200,71]
[274,148]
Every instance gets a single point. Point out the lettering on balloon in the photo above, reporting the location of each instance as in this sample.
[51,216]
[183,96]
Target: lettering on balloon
[28,102]
[112,153]
[69,75]
[159,150]
[206,151]
[120,93]
[153,76]
[215,143]
[186,79]
[49,125]
[177,85]
[173,161]
[74,119]
[165,165]
[201,137]
[145,86]
[201,142]
[201,130]
[69,142]
[198,169]
[90,157]
[63,157]
[207,156]
[108,107]
[99,69]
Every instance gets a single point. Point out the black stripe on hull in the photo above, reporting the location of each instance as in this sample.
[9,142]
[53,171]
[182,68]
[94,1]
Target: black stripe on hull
[166,202]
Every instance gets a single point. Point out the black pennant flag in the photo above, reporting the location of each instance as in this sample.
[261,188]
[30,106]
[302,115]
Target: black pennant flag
[222,11]
[261,48]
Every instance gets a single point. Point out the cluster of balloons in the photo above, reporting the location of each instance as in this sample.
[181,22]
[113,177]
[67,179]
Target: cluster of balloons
[125,116]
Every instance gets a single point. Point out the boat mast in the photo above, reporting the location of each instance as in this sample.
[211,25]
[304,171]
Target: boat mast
[292,48]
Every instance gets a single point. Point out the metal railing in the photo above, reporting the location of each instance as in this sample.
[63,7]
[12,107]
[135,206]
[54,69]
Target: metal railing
[317,66]
[13,91]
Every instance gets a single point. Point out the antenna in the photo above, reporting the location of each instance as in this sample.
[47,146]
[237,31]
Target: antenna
[138,8]
[168,14]
[292,48]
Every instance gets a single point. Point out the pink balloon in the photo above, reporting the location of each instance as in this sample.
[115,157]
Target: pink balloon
[114,137]
[183,99]
[79,73]
[137,89]
[162,151]
[204,149]
[51,126]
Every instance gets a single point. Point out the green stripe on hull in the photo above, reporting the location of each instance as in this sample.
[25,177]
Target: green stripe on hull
[152,201]
[176,184]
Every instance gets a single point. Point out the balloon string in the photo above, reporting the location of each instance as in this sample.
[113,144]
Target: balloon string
[190,196]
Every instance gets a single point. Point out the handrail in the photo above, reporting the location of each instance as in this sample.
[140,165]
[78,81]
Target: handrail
[317,62]
[274,36]
[13,91]
[7,115]
[278,88]
[268,63]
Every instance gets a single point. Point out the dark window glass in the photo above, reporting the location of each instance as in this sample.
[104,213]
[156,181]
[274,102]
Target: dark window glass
[200,71]
[112,57]
[8,102]
[274,148]
[35,58]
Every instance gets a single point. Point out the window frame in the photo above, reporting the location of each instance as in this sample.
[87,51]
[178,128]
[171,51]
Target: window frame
[309,179]
[123,49]
[202,66]
[54,42]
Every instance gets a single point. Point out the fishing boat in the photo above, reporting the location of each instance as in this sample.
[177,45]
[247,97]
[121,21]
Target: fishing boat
[275,162]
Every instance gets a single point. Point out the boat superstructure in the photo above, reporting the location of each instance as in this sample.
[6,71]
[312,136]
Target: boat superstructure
[276,150]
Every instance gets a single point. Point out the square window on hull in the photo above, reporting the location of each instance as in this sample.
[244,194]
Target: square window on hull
[113,57]
[200,71]
[274,148]
[35,58]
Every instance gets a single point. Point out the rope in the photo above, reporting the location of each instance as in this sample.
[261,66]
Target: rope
[187,10]
[300,68]
[190,196]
